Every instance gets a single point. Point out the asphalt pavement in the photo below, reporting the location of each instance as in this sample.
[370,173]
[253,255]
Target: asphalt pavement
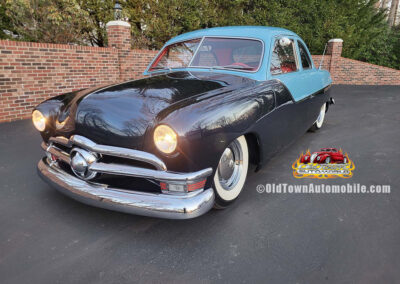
[46,237]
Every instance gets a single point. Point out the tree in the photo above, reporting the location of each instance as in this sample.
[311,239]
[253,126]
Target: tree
[98,12]
[6,28]
[385,4]
[393,12]
[359,23]
[54,21]
[154,22]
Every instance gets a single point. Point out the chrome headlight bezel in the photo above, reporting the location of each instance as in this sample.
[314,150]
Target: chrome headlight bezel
[165,139]
[39,120]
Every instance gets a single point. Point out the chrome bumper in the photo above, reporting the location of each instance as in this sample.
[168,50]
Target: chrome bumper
[161,174]
[161,205]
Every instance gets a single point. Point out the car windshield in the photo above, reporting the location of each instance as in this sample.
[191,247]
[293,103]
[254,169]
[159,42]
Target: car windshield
[176,55]
[219,53]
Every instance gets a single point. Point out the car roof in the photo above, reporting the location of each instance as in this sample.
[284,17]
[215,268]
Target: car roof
[262,33]
[259,32]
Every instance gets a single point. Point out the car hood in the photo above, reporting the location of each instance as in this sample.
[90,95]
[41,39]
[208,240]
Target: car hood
[120,114]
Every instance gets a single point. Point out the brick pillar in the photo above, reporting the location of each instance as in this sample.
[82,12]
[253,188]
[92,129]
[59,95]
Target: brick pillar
[334,49]
[119,37]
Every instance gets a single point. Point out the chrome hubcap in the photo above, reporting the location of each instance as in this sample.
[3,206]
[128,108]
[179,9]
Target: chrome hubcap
[230,166]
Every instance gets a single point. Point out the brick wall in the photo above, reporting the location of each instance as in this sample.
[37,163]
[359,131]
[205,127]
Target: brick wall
[353,72]
[326,63]
[33,72]
[137,61]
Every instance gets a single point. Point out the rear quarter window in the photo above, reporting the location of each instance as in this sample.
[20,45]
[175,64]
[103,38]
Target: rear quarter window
[305,59]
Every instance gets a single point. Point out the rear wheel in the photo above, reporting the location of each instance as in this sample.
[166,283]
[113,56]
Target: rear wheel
[320,120]
[231,173]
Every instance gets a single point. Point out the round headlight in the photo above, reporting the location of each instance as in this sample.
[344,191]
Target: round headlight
[165,139]
[39,121]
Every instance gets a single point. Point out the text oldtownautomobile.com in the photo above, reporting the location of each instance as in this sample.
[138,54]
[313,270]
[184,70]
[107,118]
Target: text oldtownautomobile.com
[350,188]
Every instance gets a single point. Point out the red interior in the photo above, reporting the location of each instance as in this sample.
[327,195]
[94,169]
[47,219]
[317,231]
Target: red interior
[288,67]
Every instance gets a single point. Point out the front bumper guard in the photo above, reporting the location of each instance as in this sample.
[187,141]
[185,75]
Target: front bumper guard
[160,205]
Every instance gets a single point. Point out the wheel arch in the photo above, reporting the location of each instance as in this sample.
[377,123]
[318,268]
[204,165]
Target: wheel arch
[254,147]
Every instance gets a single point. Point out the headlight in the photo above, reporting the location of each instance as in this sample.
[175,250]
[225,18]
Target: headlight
[39,121]
[165,139]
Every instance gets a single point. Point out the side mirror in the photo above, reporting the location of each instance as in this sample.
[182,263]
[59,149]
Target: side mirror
[284,41]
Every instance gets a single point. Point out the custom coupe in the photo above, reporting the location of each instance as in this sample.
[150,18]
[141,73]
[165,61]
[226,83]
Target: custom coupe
[179,142]
[325,156]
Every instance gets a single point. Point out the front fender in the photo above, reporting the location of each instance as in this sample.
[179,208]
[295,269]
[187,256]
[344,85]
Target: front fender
[206,125]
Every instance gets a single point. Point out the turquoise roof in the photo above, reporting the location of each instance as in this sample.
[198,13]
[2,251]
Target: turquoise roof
[300,84]
[265,34]
[259,32]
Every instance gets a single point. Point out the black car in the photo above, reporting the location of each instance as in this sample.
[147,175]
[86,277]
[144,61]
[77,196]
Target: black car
[179,141]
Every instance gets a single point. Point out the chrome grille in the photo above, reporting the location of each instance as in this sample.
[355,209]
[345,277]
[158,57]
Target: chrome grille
[60,147]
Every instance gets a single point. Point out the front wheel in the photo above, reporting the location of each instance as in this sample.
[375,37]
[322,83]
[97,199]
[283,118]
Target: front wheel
[320,120]
[231,173]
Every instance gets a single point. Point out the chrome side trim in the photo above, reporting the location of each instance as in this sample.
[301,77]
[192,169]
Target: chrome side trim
[148,204]
[125,170]
[111,150]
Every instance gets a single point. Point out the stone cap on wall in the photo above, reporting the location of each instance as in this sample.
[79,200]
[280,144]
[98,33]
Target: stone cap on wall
[336,40]
[118,23]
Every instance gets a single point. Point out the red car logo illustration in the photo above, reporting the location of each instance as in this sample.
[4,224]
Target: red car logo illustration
[325,156]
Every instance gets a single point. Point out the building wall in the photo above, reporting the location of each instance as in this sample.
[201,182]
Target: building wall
[354,72]
[33,72]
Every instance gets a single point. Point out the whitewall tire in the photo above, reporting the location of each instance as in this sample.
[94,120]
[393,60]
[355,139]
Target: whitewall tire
[320,120]
[231,173]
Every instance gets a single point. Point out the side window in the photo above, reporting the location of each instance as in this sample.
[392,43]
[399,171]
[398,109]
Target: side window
[283,59]
[305,59]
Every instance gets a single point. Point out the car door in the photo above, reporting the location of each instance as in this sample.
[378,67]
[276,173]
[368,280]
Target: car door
[308,76]
[285,68]
[301,82]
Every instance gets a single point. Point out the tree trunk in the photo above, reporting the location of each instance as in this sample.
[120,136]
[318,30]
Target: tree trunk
[393,12]
[385,4]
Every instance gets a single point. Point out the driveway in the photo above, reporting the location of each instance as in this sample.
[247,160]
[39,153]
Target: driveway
[46,237]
